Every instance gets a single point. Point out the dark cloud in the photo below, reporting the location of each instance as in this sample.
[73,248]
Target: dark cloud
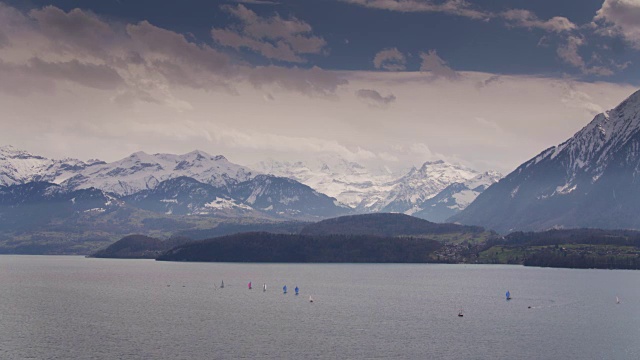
[4,40]
[145,61]
[272,37]
[390,59]
[257,2]
[76,30]
[18,81]
[41,76]
[438,68]
[494,79]
[373,97]
[89,75]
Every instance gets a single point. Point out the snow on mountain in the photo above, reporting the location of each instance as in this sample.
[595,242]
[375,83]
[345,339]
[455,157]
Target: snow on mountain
[455,197]
[187,196]
[286,198]
[352,185]
[20,167]
[419,185]
[590,180]
[376,191]
[142,171]
[349,182]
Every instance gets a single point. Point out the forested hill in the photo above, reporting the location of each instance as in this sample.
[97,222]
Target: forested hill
[577,248]
[385,224]
[138,247]
[267,247]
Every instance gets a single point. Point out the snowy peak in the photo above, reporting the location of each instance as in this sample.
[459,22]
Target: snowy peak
[19,167]
[142,171]
[366,190]
[419,185]
[590,148]
[590,180]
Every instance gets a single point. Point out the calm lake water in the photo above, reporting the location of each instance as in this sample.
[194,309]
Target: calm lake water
[60,307]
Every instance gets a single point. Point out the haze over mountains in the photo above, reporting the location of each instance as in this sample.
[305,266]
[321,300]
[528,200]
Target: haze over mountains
[212,185]
[590,180]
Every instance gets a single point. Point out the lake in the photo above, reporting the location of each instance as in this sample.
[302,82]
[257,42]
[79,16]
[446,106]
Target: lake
[65,307]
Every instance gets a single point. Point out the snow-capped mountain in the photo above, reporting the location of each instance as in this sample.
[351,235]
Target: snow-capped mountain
[332,185]
[142,171]
[372,191]
[590,180]
[347,181]
[20,167]
[284,197]
[419,185]
[455,197]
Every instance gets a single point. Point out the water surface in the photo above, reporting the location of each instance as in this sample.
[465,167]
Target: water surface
[58,307]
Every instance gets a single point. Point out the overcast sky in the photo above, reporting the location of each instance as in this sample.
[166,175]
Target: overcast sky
[487,83]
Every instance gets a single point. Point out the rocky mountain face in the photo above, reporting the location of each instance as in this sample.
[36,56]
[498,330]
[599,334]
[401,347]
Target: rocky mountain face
[34,204]
[591,180]
[187,196]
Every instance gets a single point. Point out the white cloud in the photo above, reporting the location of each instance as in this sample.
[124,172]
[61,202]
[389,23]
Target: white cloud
[274,38]
[529,20]
[452,7]
[569,53]
[620,17]
[390,59]
[433,64]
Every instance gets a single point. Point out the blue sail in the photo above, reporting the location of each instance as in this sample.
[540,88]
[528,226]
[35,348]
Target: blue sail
[284,289]
[508,295]
[297,290]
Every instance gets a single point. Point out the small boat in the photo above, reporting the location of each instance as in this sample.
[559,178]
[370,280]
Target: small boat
[310,298]
[264,287]
[460,314]
[617,300]
[508,294]
[297,290]
[222,285]
[284,289]
[249,285]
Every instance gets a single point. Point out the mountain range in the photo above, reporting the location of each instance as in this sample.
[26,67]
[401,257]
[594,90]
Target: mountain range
[212,185]
[367,191]
[591,180]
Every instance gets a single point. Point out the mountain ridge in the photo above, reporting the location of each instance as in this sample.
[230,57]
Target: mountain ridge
[589,180]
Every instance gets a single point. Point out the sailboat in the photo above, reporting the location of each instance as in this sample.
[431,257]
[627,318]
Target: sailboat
[284,289]
[264,287]
[310,298]
[297,290]
[617,300]
[508,294]
[249,285]
[460,314]
[222,285]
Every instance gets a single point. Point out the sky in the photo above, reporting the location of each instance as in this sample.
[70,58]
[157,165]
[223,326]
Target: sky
[487,84]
